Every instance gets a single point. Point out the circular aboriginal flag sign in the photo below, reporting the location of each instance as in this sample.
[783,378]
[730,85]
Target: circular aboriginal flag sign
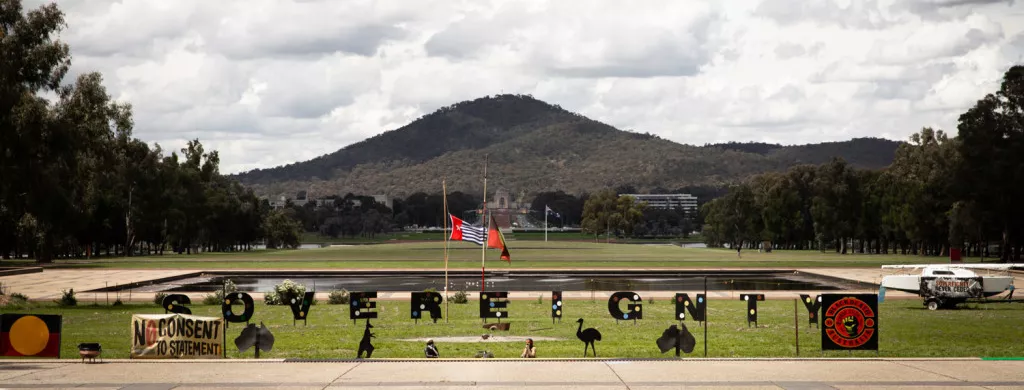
[30,335]
[850,321]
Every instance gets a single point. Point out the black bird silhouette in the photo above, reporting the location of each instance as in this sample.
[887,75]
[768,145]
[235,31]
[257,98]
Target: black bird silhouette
[587,336]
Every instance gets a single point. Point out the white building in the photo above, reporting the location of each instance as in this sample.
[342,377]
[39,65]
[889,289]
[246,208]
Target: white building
[667,201]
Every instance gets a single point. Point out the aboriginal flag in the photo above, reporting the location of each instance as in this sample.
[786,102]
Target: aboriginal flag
[30,335]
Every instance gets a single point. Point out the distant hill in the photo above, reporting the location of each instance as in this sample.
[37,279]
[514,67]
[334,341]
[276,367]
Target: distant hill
[535,146]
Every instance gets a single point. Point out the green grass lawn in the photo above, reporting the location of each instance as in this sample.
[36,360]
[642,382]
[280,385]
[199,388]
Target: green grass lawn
[525,254]
[907,330]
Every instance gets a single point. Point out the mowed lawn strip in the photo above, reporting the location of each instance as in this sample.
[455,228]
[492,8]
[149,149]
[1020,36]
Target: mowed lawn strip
[525,254]
[907,330]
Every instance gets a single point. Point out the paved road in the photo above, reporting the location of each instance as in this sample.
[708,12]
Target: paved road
[519,374]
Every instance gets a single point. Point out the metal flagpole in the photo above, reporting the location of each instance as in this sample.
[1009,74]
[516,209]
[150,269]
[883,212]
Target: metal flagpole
[486,224]
[444,189]
[545,223]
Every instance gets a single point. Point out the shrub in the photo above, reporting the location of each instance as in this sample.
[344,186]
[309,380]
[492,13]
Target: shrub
[14,301]
[430,290]
[284,293]
[459,297]
[338,297]
[217,297]
[540,299]
[67,298]
[118,302]
[158,299]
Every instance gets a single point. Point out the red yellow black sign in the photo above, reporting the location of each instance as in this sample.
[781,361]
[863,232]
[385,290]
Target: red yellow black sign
[30,335]
[850,322]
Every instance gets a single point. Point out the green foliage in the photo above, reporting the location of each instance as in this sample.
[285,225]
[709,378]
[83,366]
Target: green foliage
[459,297]
[608,212]
[158,299]
[338,297]
[284,293]
[281,230]
[117,302]
[80,181]
[67,298]
[217,297]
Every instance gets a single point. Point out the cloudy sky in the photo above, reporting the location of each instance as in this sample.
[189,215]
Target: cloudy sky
[272,82]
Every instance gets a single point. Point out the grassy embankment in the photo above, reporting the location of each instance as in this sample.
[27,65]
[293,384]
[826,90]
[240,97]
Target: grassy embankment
[907,330]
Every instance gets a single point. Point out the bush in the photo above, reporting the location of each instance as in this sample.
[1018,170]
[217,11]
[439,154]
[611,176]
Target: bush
[67,298]
[118,302]
[338,297]
[284,293]
[459,297]
[217,297]
[159,298]
[14,300]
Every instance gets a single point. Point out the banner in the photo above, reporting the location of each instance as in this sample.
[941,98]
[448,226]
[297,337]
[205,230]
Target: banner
[952,287]
[850,322]
[173,336]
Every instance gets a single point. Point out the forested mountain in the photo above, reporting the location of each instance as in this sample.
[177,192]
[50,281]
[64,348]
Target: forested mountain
[534,146]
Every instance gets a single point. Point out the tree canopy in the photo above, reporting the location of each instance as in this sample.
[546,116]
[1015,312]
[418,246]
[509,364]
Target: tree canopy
[939,193]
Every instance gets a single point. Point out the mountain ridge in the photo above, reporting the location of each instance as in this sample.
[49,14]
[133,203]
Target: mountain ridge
[535,146]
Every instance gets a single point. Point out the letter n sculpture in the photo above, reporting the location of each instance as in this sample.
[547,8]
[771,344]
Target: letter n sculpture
[684,304]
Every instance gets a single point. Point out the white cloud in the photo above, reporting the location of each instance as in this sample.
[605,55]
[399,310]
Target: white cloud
[270,82]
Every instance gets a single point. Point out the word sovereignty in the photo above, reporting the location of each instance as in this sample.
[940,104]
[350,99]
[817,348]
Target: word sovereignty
[170,336]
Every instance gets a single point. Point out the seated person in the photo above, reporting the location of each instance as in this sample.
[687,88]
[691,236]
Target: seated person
[431,350]
[530,351]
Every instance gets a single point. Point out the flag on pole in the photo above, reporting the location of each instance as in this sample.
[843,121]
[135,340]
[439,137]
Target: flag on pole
[549,210]
[465,232]
[496,240]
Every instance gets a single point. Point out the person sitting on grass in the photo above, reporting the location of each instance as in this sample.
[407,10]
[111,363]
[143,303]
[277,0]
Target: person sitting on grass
[530,351]
[431,350]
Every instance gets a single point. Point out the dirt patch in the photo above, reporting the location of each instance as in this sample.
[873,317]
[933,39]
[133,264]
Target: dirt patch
[478,339]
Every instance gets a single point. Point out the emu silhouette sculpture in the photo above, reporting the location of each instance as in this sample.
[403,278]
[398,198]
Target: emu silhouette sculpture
[587,336]
[364,344]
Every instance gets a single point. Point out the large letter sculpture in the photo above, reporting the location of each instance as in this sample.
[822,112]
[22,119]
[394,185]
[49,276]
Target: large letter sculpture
[684,304]
[175,303]
[635,306]
[300,307]
[850,321]
[812,305]
[425,302]
[494,304]
[752,306]
[361,305]
[556,306]
[229,314]
[251,336]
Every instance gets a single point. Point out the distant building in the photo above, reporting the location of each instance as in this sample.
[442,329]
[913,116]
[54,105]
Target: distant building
[668,201]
